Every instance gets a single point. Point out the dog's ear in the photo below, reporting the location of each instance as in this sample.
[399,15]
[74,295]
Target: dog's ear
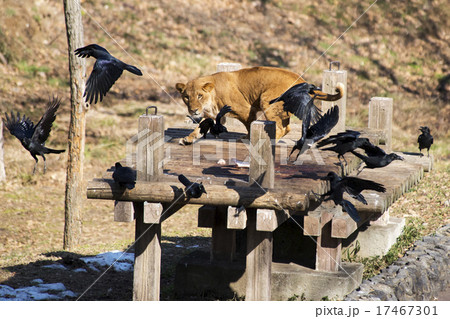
[208,87]
[180,87]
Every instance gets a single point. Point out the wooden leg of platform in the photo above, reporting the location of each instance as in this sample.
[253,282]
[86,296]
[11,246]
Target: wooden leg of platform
[147,262]
[328,257]
[223,239]
[259,260]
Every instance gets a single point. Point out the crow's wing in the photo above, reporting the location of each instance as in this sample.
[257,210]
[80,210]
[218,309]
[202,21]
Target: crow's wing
[351,210]
[44,126]
[19,127]
[183,180]
[340,138]
[205,126]
[324,125]
[222,112]
[104,74]
[354,185]
[372,150]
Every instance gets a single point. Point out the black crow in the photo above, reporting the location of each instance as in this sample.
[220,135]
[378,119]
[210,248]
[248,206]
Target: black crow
[124,176]
[344,142]
[33,137]
[351,185]
[194,190]
[107,69]
[215,128]
[317,131]
[425,140]
[376,157]
[298,100]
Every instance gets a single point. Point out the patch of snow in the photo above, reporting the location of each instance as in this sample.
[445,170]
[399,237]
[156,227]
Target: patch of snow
[55,266]
[41,291]
[121,261]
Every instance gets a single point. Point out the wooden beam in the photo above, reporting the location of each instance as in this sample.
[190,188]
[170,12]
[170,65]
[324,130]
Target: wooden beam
[311,224]
[236,217]
[380,117]
[123,211]
[329,82]
[343,226]
[270,219]
[223,246]
[152,212]
[218,195]
[259,261]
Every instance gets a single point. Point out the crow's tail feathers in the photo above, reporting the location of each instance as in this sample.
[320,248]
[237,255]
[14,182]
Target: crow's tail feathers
[133,69]
[183,180]
[351,210]
[51,150]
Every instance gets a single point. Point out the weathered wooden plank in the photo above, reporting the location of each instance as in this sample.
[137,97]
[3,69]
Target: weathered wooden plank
[311,224]
[236,217]
[270,219]
[123,211]
[219,195]
[343,226]
[152,212]
[259,261]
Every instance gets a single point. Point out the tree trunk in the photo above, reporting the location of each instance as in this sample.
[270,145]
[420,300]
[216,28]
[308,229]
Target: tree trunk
[2,164]
[75,188]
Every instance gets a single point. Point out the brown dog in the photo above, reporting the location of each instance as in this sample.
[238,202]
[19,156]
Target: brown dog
[247,91]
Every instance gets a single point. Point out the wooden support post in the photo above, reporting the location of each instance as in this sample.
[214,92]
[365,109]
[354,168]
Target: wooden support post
[147,262]
[2,163]
[236,217]
[262,154]
[259,261]
[380,117]
[328,257]
[329,82]
[260,243]
[149,158]
[223,246]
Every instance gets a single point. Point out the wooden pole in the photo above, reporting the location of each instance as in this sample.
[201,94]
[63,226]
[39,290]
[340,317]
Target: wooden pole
[380,117]
[260,243]
[329,82]
[149,158]
[75,188]
[2,163]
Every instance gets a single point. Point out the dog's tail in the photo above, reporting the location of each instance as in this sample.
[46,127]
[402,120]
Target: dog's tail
[331,97]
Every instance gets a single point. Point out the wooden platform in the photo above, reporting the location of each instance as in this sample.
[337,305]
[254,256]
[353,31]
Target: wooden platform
[233,201]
